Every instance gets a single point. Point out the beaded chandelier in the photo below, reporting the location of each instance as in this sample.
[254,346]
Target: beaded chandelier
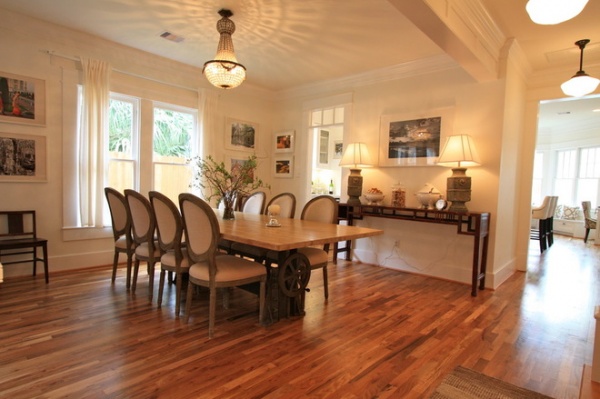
[224,71]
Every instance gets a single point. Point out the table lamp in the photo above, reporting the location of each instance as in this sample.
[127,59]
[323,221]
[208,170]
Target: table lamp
[458,152]
[355,156]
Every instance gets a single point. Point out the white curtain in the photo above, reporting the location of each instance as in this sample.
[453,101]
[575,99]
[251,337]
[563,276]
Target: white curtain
[93,124]
[208,104]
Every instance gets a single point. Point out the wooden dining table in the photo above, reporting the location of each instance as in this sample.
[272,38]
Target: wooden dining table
[285,239]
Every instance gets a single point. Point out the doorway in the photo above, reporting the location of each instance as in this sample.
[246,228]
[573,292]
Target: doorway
[567,160]
[326,130]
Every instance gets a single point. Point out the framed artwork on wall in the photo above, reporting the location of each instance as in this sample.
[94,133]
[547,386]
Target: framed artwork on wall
[22,158]
[284,141]
[236,161]
[413,140]
[283,167]
[241,135]
[22,99]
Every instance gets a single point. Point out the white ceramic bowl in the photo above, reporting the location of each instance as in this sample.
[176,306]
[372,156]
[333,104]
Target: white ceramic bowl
[374,199]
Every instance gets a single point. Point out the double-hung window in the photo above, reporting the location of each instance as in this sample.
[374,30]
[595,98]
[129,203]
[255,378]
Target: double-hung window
[174,138]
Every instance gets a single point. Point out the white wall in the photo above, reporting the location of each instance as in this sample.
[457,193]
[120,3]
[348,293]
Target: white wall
[479,110]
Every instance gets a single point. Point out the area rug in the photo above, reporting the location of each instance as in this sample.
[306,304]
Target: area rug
[463,383]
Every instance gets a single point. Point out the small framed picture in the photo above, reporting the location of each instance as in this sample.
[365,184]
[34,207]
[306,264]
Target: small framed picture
[283,167]
[284,142]
[22,99]
[241,135]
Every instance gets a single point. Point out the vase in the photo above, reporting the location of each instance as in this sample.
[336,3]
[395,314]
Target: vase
[228,213]
[228,201]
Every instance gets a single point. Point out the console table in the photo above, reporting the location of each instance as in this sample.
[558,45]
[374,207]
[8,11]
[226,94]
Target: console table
[475,224]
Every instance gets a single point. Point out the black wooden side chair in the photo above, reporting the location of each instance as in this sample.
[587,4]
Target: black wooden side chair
[18,236]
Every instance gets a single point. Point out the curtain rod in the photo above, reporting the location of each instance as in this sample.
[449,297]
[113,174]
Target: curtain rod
[135,75]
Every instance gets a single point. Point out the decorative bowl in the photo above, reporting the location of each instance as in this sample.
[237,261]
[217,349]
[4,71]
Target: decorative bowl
[374,199]
[427,196]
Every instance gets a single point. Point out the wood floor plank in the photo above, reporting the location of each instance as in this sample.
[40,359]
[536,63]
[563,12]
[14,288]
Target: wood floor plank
[382,333]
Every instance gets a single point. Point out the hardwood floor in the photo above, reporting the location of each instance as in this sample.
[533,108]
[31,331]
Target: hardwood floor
[382,334]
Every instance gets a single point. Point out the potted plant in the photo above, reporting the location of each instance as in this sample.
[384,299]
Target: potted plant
[217,181]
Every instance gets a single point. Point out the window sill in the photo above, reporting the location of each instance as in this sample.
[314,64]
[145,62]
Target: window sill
[86,233]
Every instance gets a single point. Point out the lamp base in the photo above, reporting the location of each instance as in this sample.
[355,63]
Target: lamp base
[355,182]
[458,190]
[354,201]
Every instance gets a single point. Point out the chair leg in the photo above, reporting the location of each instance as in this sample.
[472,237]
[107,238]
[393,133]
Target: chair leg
[261,301]
[585,238]
[136,268]
[550,232]
[212,307]
[178,285]
[542,234]
[188,302]
[150,280]
[161,286]
[325,282]
[45,256]
[115,263]
[129,263]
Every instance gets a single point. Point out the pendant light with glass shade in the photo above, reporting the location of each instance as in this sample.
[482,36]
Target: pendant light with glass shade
[552,12]
[224,71]
[581,83]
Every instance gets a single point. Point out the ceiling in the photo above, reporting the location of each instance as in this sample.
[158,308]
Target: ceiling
[286,43]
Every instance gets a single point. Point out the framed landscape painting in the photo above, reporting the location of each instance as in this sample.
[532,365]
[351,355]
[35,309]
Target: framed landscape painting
[241,135]
[413,140]
[22,99]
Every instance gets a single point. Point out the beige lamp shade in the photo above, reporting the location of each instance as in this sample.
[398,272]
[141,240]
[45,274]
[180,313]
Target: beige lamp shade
[552,12]
[459,151]
[356,156]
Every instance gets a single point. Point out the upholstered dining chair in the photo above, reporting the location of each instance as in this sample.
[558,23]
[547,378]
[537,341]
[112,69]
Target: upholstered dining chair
[209,269]
[121,227]
[541,214]
[323,208]
[169,229]
[255,203]
[590,222]
[143,227]
[550,220]
[287,205]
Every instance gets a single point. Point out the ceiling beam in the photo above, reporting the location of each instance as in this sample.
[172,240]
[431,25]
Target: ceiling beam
[463,29]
